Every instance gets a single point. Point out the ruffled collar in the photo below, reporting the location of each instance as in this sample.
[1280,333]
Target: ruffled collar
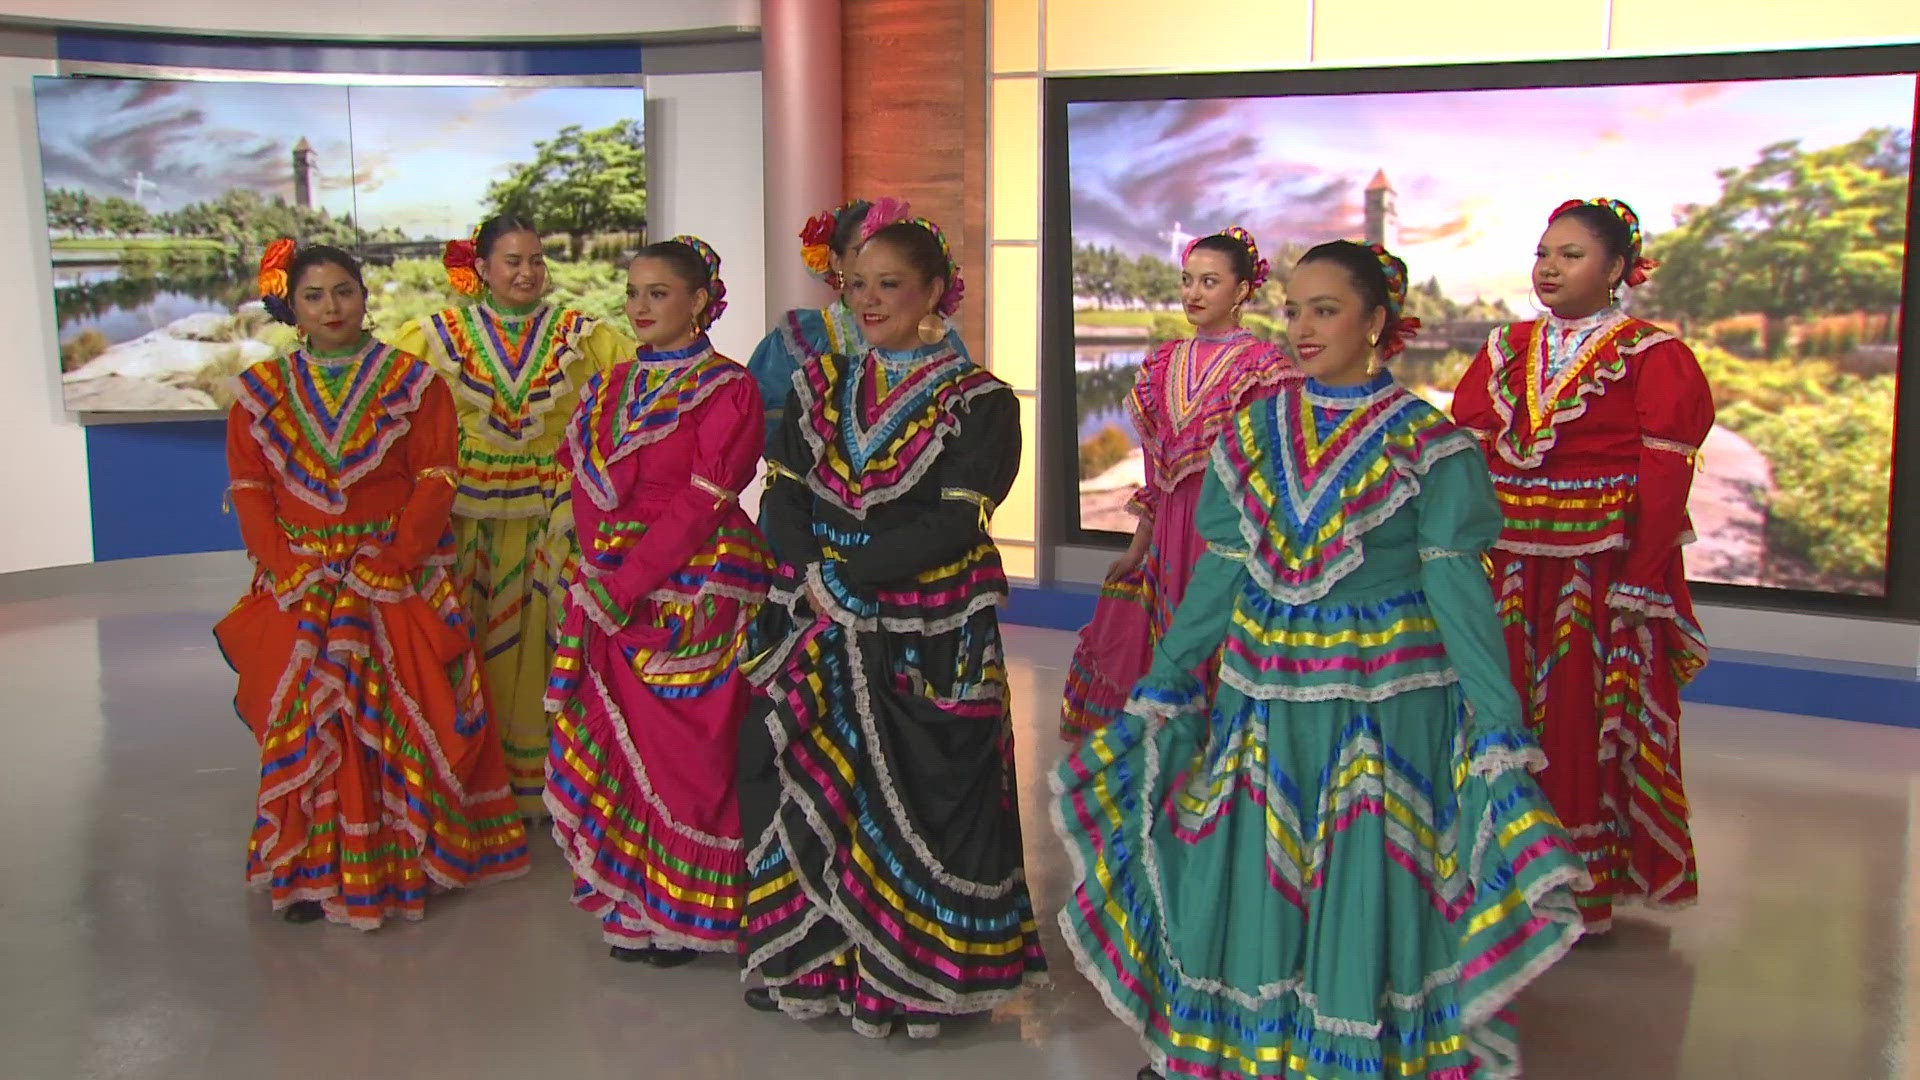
[1558,325]
[1355,396]
[899,359]
[503,313]
[1235,334]
[335,361]
[683,357]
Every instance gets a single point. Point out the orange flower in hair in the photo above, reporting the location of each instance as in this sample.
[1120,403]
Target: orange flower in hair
[816,244]
[273,268]
[462,260]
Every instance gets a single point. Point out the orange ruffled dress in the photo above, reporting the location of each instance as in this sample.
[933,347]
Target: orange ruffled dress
[381,777]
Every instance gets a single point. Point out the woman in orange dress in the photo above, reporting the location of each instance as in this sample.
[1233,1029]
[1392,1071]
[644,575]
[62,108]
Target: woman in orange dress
[381,777]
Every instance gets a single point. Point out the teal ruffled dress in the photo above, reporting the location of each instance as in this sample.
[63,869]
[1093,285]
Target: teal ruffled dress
[1344,869]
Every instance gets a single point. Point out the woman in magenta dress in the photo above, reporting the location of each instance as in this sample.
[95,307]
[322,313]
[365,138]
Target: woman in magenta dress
[1181,400]
[645,695]
[1592,420]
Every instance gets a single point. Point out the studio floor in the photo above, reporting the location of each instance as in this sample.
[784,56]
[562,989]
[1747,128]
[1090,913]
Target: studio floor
[132,949]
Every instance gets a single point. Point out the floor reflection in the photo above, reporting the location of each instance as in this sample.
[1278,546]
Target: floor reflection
[133,950]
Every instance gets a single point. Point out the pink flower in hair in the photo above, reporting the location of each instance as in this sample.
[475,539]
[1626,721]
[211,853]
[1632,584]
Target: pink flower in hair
[885,211]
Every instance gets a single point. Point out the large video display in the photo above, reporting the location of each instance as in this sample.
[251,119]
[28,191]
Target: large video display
[161,194]
[1777,207]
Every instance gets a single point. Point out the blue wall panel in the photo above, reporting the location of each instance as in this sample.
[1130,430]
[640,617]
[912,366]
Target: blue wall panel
[157,489]
[322,56]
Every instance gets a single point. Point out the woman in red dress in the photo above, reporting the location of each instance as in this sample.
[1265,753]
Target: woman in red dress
[381,777]
[1592,419]
[646,696]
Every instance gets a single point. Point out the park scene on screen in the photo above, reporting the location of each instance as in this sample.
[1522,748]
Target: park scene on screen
[1777,208]
[161,195]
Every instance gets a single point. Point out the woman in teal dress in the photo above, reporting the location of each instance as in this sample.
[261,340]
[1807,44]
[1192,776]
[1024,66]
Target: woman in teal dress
[1344,869]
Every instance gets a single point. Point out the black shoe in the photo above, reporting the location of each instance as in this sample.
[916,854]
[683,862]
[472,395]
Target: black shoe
[628,955]
[760,999]
[1147,1073]
[670,958]
[304,911]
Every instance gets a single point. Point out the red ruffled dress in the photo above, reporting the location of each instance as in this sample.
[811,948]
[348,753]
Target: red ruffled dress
[1592,428]
[381,775]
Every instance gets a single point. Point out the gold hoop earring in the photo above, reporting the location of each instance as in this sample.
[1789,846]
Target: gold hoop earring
[933,328]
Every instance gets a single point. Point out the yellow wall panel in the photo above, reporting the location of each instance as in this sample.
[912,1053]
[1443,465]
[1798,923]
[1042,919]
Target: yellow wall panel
[1019,560]
[1014,520]
[1014,314]
[1418,31]
[1016,159]
[1707,25]
[1016,35]
[1217,35]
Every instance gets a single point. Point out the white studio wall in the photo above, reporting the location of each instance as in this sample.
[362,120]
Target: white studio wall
[43,451]
[708,182]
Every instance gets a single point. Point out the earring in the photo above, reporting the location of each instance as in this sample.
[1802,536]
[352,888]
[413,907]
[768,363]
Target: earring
[1373,341]
[1236,314]
[932,328]
[1373,365]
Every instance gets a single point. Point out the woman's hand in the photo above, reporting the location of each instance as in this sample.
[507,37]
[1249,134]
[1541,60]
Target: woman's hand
[817,596]
[1632,618]
[1136,553]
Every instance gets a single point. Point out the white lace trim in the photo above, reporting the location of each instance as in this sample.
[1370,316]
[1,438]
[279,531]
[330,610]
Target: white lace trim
[1346,691]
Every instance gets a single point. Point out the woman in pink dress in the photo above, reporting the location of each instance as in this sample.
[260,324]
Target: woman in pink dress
[646,695]
[1183,396]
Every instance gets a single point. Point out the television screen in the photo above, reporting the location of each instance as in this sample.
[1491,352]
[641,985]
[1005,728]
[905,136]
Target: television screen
[1778,208]
[161,195]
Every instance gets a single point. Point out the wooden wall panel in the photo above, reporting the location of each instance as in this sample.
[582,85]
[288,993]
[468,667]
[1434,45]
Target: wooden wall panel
[914,96]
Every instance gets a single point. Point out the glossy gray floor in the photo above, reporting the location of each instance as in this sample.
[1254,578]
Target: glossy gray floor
[130,948]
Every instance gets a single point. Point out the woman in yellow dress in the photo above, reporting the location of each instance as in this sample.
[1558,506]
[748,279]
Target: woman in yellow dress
[516,364]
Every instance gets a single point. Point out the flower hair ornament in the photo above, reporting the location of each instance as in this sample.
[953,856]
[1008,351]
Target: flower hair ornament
[716,289]
[274,286]
[462,260]
[1261,268]
[1403,327]
[1638,265]
[816,240]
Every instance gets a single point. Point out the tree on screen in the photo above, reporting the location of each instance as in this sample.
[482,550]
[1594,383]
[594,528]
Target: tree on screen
[1796,233]
[580,183]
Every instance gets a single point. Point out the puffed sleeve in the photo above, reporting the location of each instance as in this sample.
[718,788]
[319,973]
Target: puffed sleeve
[1675,408]
[604,346]
[724,456]
[251,492]
[772,366]
[1459,520]
[411,338]
[432,449]
[1472,406]
[1200,622]
[976,469]
[786,507]
[1144,405]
